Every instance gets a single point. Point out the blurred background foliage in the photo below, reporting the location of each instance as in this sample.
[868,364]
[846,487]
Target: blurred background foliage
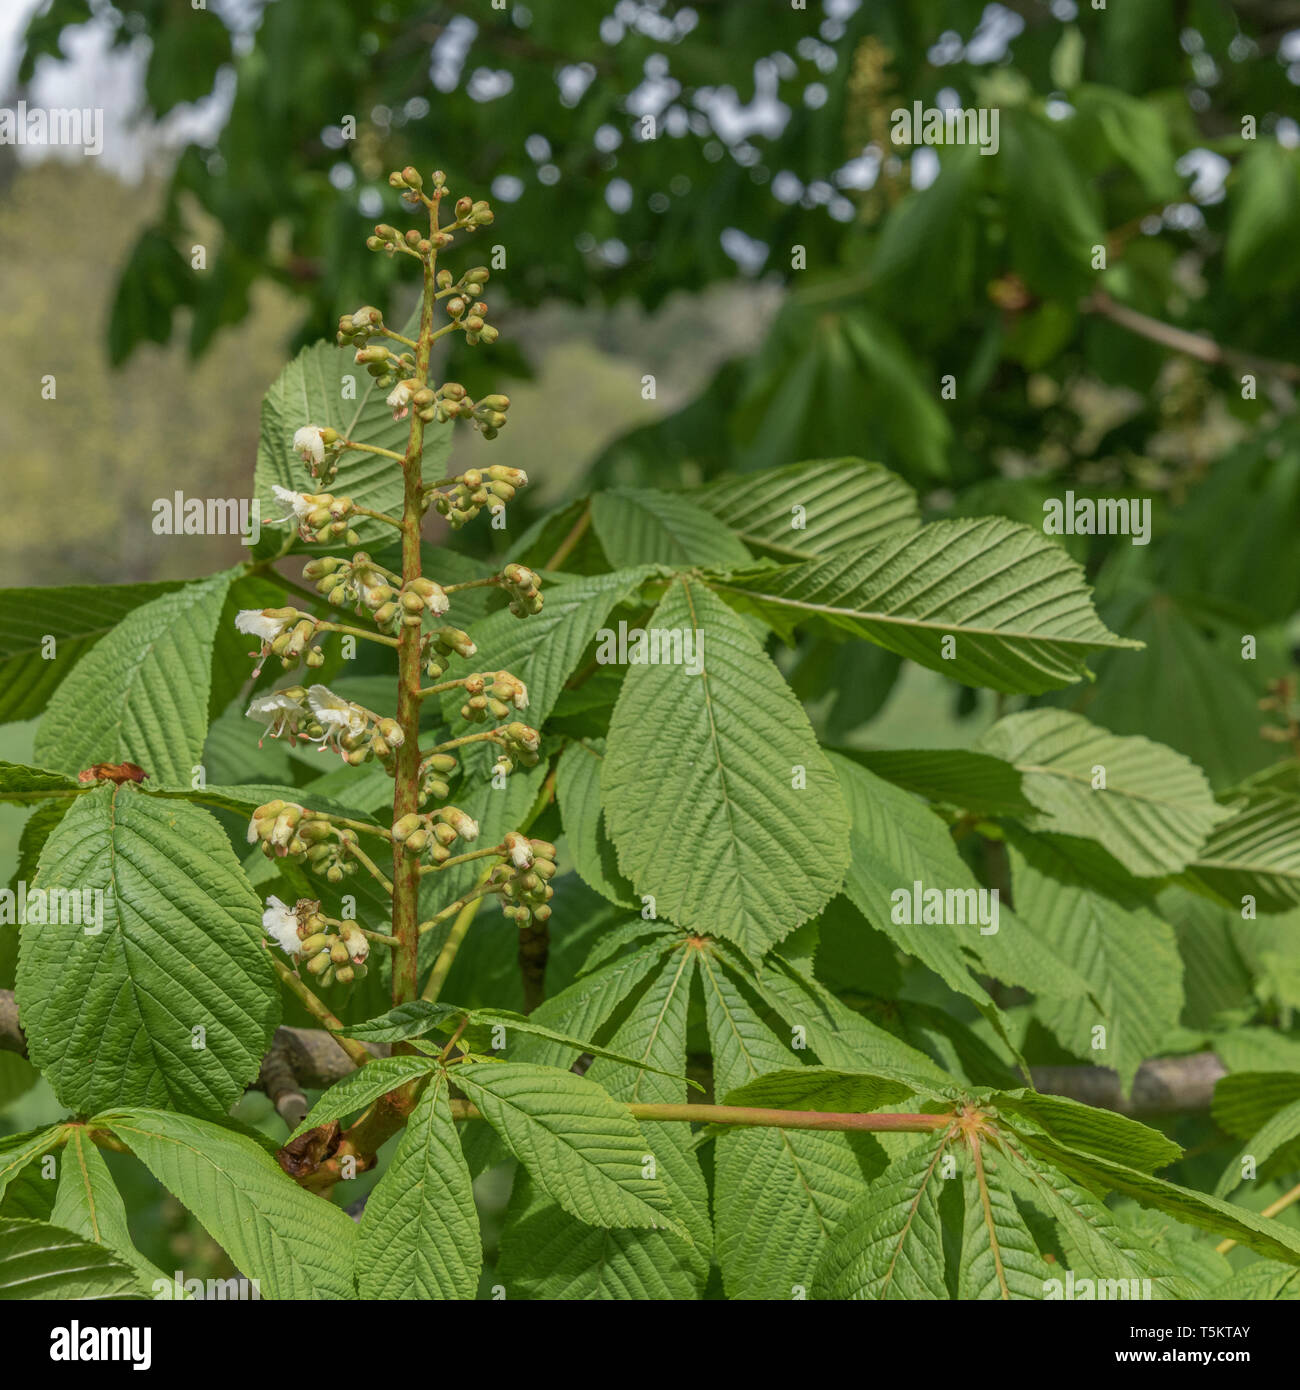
[708,195]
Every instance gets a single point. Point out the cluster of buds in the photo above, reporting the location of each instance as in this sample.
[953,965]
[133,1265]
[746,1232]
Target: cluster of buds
[286,830]
[319,447]
[434,771]
[334,952]
[391,369]
[519,744]
[358,581]
[356,329]
[413,242]
[439,646]
[492,694]
[421,596]
[320,517]
[524,587]
[429,835]
[478,488]
[283,632]
[318,715]
[524,879]
[470,315]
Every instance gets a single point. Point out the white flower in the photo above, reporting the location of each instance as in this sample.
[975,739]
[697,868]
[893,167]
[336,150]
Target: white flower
[259,623]
[299,504]
[400,400]
[281,922]
[339,718]
[310,446]
[436,600]
[520,851]
[520,700]
[278,711]
[464,826]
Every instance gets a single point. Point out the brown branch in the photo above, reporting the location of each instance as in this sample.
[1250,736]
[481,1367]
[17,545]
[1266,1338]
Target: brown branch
[310,1059]
[1196,345]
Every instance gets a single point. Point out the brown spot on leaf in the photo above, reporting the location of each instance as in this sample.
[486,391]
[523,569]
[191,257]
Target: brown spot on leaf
[112,772]
[308,1151]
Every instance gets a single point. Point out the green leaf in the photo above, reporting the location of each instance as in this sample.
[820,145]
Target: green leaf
[1104,931]
[75,617]
[358,1088]
[294,1244]
[545,1254]
[807,510]
[543,650]
[890,1243]
[41,1261]
[999,1259]
[1259,1233]
[778,1194]
[827,1088]
[640,526]
[18,1150]
[19,784]
[89,1204]
[757,857]
[110,1014]
[581,1147]
[310,392]
[1153,812]
[577,790]
[1007,603]
[960,777]
[1086,1128]
[897,843]
[1263,206]
[419,1235]
[1269,1102]
[141,695]
[1255,853]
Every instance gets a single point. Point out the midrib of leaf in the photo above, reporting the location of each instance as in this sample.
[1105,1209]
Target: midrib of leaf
[707,964]
[713,735]
[911,1216]
[76,1139]
[989,1224]
[669,996]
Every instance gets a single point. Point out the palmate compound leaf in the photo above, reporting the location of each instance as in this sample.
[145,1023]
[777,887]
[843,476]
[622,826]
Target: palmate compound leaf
[1153,811]
[779,1194]
[110,1004]
[581,1147]
[294,1244]
[141,693]
[826,507]
[717,797]
[419,1235]
[545,1254]
[986,602]
[39,1260]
